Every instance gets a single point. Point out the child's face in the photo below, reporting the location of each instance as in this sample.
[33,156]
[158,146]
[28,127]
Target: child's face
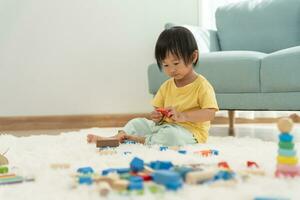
[175,67]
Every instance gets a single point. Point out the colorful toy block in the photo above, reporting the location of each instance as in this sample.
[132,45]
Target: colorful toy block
[120,185]
[11,180]
[164,112]
[287,159]
[85,170]
[60,166]
[104,189]
[200,176]
[137,164]
[223,165]
[182,151]
[135,183]
[170,179]
[163,148]
[182,171]
[224,175]
[252,164]
[85,180]
[108,142]
[3,169]
[156,165]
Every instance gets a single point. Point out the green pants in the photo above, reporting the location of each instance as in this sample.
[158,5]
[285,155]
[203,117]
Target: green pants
[165,134]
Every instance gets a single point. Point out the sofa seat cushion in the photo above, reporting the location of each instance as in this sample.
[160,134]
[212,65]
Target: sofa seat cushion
[231,71]
[280,71]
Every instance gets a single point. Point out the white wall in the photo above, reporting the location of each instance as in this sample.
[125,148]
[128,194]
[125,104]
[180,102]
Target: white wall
[64,57]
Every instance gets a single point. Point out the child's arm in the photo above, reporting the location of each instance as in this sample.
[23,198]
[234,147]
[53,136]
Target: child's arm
[201,115]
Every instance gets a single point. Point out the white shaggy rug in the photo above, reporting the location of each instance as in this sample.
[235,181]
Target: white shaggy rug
[33,156]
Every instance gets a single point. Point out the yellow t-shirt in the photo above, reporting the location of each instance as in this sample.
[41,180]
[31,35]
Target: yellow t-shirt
[197,95]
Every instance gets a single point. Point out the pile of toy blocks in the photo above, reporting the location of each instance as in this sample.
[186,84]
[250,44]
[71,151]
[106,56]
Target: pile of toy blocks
[162,173]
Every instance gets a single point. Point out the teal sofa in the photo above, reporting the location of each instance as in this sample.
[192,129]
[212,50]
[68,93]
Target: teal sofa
[252,59]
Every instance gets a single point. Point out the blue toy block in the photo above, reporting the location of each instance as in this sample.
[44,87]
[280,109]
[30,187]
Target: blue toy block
[85,180]
[137,164]
[287,152]
[123,170]
[174,185]
[182,171]
[170,179]
[136,179]
[215,152]
[163,148]
[135,186]
[129,142]
[161,165]
[107,171]
[223,175]
[85,170]
[182,151]
[286,137]
[270,198]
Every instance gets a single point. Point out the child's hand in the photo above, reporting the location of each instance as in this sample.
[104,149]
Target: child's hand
[156,116]
[176,116]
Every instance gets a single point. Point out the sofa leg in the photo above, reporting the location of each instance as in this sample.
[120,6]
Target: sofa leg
[231,122]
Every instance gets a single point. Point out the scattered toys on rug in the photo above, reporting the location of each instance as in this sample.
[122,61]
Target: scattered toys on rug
[287,156]
[162,173]
[11,178]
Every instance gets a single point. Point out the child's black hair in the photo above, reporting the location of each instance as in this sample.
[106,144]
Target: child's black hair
[178,41]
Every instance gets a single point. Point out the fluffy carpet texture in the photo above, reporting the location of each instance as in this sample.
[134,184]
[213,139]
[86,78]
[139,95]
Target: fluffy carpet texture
[33,156]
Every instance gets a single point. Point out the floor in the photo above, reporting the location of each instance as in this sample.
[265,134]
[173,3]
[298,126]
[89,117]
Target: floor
[266,132]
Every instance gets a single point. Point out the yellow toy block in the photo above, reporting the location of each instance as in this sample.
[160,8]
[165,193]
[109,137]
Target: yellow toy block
[287,160]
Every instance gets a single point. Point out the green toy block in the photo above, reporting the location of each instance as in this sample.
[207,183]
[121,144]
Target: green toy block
[3,169]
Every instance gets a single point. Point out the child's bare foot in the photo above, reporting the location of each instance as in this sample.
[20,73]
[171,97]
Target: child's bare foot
[91,138]
[121,136]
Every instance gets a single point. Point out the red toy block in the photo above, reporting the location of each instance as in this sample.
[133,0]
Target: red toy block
[252,164]
[164,112]
[223,165]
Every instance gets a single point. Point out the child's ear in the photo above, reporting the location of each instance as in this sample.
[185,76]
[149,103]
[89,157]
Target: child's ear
[195,56]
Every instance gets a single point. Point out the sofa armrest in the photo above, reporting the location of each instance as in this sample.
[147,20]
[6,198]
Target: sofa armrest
[207,40]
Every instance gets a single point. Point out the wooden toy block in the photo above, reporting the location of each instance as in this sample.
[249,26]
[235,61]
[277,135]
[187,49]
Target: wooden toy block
[60,166]
[258,172]
[110,178]
[108,142]
[120,185]
[107,152]
[3,160]
[229,183]
[11,180]
[104,189]
[196,177]
[285,125]
[7,176]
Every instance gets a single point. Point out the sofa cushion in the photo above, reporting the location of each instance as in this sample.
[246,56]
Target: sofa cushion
[280,71]
[231,71]
[259,25]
